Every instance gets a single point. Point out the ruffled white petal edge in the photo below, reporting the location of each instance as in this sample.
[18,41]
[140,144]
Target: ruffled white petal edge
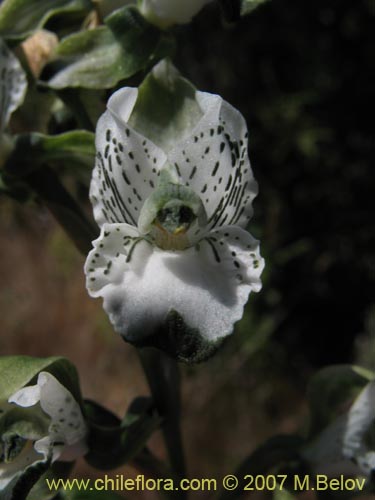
[208,285]
[127,164]
[13,84]
[67,430]
[107,263]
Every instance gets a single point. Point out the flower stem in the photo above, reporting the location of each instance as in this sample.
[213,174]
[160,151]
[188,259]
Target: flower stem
[73,100]
[46,184]
[163,377]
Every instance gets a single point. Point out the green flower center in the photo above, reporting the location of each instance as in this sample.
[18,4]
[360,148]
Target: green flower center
[170,212]
[171,224]
[175,219]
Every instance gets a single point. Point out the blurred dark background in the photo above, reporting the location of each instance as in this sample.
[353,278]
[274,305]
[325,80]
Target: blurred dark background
[303,75]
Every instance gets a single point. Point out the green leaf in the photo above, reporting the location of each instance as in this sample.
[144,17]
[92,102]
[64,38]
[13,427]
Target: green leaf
[20,486]
[275,454]
[77,146]
[18,371]
[247,6]
[87,105]
[26,166]
[331,390]
[25,423]
[166,109]
[31,484]
[64,208]
[14,190]
[112,442]
[19,18]
[58,470]
[102,57]
[31,151]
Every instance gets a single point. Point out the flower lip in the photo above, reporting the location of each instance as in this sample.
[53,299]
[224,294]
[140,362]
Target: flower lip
[207,284]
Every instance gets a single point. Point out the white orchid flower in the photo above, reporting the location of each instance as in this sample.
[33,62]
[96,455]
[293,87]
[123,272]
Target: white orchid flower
[173,244]
[165,13]
[347,445]
[42,422]
[13,84]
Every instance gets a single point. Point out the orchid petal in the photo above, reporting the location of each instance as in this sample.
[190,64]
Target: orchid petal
[107,262]
[360,419]
[13,84]
[341,448]
[27,396]
[127,164]
[67,422]
[325,454]
[67,427]
[214,162]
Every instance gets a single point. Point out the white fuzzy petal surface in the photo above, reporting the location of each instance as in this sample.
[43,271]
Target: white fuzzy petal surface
[208,285]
